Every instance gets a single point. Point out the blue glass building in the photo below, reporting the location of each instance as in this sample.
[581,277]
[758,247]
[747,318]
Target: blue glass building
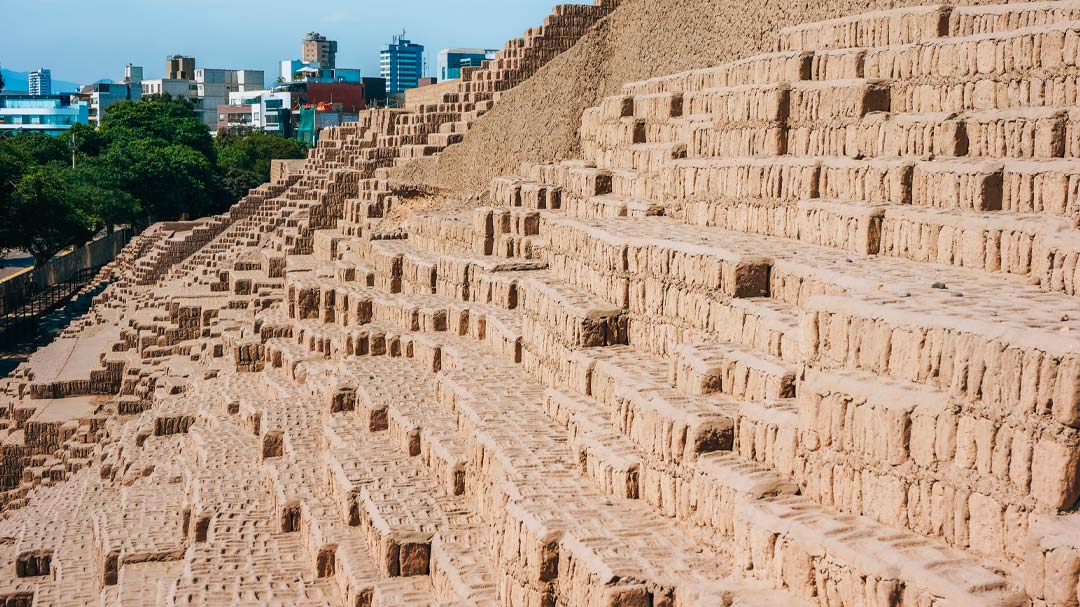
[49,114]
[402,65]
[451,60]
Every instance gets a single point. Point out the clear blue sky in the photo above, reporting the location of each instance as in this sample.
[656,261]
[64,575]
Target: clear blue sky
[84,42]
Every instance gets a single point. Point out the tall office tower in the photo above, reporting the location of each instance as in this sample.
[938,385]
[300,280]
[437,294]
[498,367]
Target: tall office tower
[401,64]
[41,82]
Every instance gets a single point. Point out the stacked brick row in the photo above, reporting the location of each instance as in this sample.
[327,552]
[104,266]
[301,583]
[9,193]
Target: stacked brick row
[729,205]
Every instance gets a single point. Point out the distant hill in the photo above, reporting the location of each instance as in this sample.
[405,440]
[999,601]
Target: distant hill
[20,81]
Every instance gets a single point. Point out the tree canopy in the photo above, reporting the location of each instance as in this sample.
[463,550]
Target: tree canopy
[41,216]
[245,160]
[169,181]
[162,119]
[36,148]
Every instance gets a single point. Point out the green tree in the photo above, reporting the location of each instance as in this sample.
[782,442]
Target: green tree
[36,148]
[11,170]
[152,160]
[167,120]
[88,141]
[254,151]
[236,183]
[168,181]
[167,98]
[94,186]
[42,215]
[245,160]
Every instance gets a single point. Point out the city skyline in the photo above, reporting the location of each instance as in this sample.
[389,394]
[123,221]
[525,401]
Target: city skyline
[236,38]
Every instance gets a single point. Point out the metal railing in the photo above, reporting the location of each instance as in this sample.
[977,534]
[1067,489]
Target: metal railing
[28,296]
[21,289]
[23,321]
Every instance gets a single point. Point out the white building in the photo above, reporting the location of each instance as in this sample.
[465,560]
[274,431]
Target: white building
[265,108]
[184,89]
[213,87]
[41,82]
[101,95]
[210,88]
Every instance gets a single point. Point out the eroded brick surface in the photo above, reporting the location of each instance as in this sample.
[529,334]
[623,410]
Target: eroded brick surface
[801,329]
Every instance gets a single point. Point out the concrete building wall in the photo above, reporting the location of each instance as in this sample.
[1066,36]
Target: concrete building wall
[186,89]
[179,67]
[316,48]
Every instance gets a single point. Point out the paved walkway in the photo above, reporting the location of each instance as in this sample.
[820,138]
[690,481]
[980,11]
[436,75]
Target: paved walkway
[12,355]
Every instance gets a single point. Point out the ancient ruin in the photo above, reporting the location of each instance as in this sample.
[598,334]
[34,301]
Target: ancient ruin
[800,329]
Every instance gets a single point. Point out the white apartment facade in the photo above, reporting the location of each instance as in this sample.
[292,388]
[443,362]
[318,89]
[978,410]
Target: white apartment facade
[210,88]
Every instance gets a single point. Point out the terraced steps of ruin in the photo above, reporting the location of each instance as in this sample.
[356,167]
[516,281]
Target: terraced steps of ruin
[800,329]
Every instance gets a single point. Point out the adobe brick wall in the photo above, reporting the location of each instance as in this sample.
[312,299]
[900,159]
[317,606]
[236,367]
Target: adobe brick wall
[795,329]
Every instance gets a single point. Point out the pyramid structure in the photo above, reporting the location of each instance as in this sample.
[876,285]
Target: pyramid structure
[801,329]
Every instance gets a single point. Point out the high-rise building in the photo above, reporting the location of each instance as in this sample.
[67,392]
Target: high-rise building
[41,82]
[451,60]
[402,65]
[317,49]
[179,67]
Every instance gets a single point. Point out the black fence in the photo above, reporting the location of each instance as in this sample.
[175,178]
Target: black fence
[20,290]
[28,296]
[23,321]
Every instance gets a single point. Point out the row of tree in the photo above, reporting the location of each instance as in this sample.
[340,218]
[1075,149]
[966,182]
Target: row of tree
[151,160]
